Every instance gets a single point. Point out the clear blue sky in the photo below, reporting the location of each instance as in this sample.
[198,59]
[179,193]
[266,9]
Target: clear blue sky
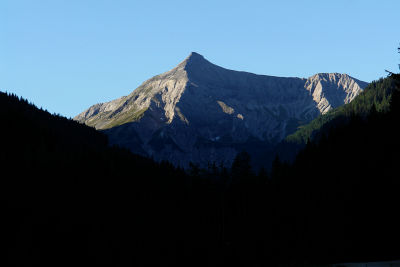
[65,55]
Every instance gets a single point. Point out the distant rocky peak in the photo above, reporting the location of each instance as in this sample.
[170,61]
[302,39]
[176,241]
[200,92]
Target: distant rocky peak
[332,77]
[330,90]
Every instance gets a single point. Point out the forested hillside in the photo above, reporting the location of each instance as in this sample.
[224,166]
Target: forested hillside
[69,197]
[375,96]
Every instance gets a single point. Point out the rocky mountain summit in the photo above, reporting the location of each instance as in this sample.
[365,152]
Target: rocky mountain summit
[200,112]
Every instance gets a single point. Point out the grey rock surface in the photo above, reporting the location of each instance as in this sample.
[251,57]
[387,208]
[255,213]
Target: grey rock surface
[200,112]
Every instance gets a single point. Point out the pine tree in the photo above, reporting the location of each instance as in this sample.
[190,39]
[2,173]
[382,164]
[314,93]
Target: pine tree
[241,166]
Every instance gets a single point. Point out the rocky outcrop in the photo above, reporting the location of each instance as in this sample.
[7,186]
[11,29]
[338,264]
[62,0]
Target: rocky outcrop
[203,113]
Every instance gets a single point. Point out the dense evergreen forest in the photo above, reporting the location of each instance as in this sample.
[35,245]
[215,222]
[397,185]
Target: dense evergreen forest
[71,199]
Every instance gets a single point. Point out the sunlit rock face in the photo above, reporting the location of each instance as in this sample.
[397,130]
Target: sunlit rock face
[199,112]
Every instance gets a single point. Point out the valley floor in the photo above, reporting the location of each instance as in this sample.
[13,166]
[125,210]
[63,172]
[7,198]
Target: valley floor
[370,264]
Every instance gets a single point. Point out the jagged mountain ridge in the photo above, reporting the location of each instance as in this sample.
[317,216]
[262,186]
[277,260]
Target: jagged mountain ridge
[201,112]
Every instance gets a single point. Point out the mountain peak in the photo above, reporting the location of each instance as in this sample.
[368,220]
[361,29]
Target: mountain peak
[194,55]
[194,59]
[179,115]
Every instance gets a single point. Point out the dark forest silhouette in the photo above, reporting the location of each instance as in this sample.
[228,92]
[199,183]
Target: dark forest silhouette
[71,199]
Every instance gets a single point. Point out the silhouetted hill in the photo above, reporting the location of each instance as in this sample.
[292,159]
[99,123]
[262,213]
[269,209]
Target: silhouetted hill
[69,197]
